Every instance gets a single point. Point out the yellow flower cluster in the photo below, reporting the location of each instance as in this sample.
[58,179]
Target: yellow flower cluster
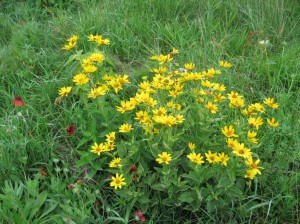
[210,157]
[90,65]
[72,41]
[158,104]
[162,58]
[107,146]
[98,40]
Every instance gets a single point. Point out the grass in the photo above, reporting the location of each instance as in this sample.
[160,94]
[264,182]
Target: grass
[32,66]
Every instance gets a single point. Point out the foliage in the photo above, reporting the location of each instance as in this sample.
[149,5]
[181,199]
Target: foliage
[260,38]
[175,116]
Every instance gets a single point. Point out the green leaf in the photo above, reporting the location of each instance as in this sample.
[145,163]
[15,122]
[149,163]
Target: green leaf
[76,56]
[234,192]
[226,180]
[53,205]
[38,204]
[186,197]
[121,148]
[202,193]
[83,141]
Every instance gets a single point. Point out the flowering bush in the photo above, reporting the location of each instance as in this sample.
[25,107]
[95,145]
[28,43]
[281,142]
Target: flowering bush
[175,136]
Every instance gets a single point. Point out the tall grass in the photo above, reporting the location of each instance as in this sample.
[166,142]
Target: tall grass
[32,66]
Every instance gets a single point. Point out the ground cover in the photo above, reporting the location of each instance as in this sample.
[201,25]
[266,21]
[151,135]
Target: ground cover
[40,179]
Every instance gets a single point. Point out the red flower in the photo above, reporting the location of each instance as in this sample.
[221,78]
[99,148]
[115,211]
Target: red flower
[139,216]
[133,169]
[71,130]
[71,186]
[18,101]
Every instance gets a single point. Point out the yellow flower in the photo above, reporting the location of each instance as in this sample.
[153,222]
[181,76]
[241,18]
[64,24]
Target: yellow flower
[203,92]
[80,79]
[168,120]
[126,105]
[116,162]
[258,107]
[253,165]
[98,57]
[241,150]
[98,39]
[251,134]
[248,112]
[69,46]
[200,100]
[73,38]
[107,77]
[175,93]
[98,148]
[196,158]
[164,158]
[160,111]
[142,116]
[174,105]
[64,91]
[111,137]
[174,51]
[220,88]
[118,181]
[115,85]
[95,92]
[272,123]
[252,137]
[225,64]
[151,130]
[223,158]
[178,86]
[151,102]
[255,122]
[72,41]
[125,128]
[233,95]
[146,87]
[213,108]
[219,97]
[179,119]
[270,102]
[210,73]
[160,70]
[86,62]
[231,143]
[189,66]
[229,131]
[123,79]
[191,146]
[238,102]
[142,97]
[89,68]
[250,174]
[109,146]
[207,84]
[212,157]
[162,58]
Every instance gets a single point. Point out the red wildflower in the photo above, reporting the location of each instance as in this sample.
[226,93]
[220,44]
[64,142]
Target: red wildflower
[139,216]
[71,130]
[133,169]
[71,186]
[18,101]
[43,171]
